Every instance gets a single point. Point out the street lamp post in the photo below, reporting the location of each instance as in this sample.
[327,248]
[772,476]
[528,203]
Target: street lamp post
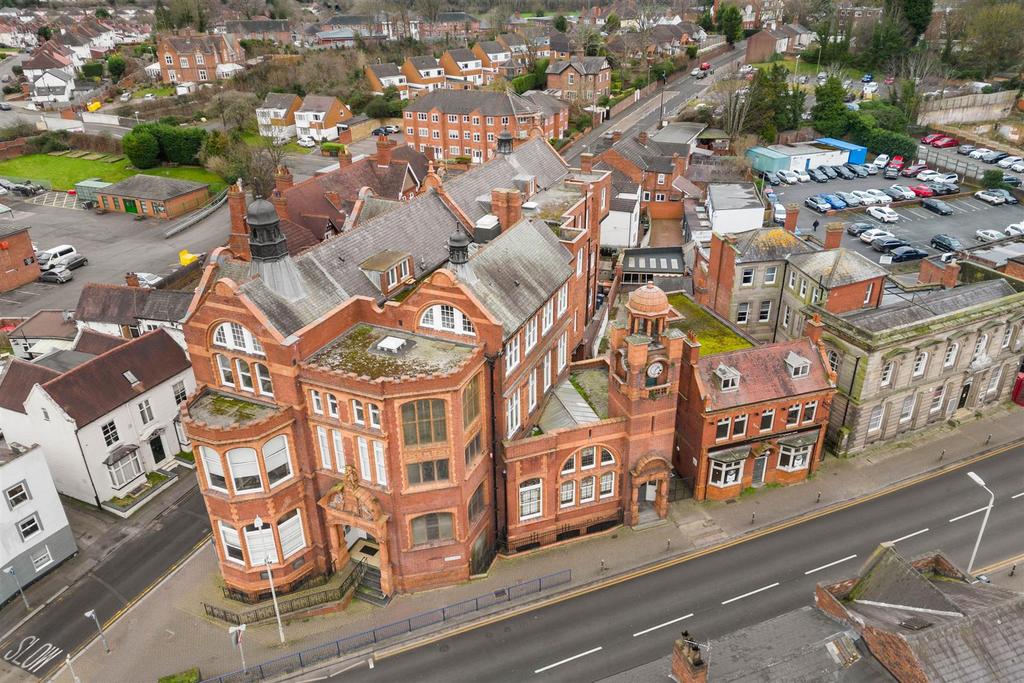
[74,676]
[258,523]
[10,570]
[236,635]
[991,501]
[91,614]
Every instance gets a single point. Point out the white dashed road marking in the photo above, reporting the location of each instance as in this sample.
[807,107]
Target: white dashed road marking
[916,533]
[567,659]
[830,564]
[667,623]
[753,592]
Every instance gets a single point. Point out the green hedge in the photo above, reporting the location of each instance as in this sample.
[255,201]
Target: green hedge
[332,148]
[92,70]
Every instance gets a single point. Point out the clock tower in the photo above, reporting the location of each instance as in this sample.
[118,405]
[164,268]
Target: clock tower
[644,363]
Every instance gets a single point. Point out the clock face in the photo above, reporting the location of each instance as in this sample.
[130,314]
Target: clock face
[655,369]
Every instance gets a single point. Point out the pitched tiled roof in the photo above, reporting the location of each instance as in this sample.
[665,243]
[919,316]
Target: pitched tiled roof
[18,379]
[837,267]
[385,70]
[95,343]
[115,304]
[585,65]
[153,187]
[190,44]
[166,305]
[317,103]
[42,60]
[424,62]
[549,104]
[46,324]
[927,305]
[257,26]
[764,375]
[462,54]
[153,358]
[561,42]
[484,102]
[768,244]
[491,47]
[278,100]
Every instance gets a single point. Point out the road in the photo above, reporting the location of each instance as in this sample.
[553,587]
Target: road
[629,624]
[40,645]
[645,115]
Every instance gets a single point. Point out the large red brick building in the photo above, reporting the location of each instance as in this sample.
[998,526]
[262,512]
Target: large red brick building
[18,264]
[195,58]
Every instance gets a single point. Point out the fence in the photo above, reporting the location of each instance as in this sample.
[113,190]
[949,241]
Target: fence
[561,533]
[311,581]
[199,215]
[962,166]
[314,655]
[292,605]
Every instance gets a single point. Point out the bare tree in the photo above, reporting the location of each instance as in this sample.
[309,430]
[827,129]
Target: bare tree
[732,96]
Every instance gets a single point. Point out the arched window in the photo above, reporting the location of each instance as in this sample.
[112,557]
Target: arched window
[447,318]
[276,460]
[980,347]
[244,375]
[569,466]
[245,470]
[833,360]
[951,351]
[227,375]
[920,364]
[238,338]
[530,498]
[887,373]
[214,468]
[432,528]
[606,457]
[424,422]
[263,379]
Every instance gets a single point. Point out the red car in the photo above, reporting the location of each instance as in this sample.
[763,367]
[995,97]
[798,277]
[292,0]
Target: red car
[932,137]
[943,143]
[705,66]
[911,171]
[922,190]
[896,162]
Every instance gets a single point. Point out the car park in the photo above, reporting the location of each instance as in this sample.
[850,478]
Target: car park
[834,201]
[902,191]
[922,191]
[817,175]
[928,174]
[884,244]
[994,156]
[913,170]
[865,197]
[1008,197]
[881,160]
[48,258]
[829,171]
[770,178]
[845,173]
[851,200]
[937,206]
[965,149]
[891,173]
[856,229]
[896,162]
[979,152]
[869,236]
[942,189]
[70,262]
[989,197]
[801,175]
[1007,162]
[880,196]
[932,137]
[883,214]
[857,170]
[947,178]
[944,242]
[945,143]
[988,235]
[907,253]
[788,177]
[818,204]
[57,276]
[1011,180]
[1014,229]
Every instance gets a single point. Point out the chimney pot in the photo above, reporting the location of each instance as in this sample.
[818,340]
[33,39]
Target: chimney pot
[642,137]
[586,162]
[833,235]
[132,280]
[792,215]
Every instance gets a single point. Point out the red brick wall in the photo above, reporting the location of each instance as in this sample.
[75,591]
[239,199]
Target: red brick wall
[476,125]
[851,297]
[13,148]
[15,250]
[894,654]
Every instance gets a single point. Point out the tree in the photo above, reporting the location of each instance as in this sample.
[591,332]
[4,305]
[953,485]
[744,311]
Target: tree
[691,51]
[994,36]
[102,13]
[993,180]
[612,23]
[116,66]
[706,22]
[730,24]
[560,23]
[735,106]
[829,111]
[44,32]
[917,14]
[237,115]
[141,148]
[429,9]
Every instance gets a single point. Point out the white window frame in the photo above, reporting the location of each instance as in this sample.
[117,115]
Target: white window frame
[531,390]
[530,333]
[812,407]
[277,458]
[742,312]
[728,473]
[339,449]
[952,351]
[920,364]
[145,411]
[747,277]
[358,412]
[229,537]
[318,403]
[727,421]
[938,397]
[261,545]
[907,408]
[332,405]
[534,493]
[365,471]
[212,457]
[563,299]
[868,292]
[588,483]
[764,315]
[888,371]
[548,316]
[324,446]
[244,467]
[564,487]
[741,429]
[380,464]
[792,453]
[373,412]
[875,418]
[770,274]
[513,417]
[770,414]
[512,354]
[286,532]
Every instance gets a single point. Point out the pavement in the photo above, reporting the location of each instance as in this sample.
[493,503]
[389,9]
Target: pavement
[732,549]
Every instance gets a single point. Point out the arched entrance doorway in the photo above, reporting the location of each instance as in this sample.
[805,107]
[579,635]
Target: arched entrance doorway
[649,499]
[358,528]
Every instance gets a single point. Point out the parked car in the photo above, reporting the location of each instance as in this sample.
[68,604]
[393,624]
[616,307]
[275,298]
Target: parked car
[704,66]
[867,78]
[1014,229]
[306,141]
[965,149]
[802,176]
[701,75]
[788,177]
[779,214]
[944,242]
[880,197]
[883,214]
[869,236]
[945,143]
[695,71]
[845,173]
[1008,197]
[817,203]
[928,174]
[994,156]
[902,191]
[829,171]
[1007,162]
[48,257]
[932,137]
[857,170]
[900,254]
[870,168]
[988,235]
[70,262]
[26,189]
[889,80]
[834,201]
[849,198]
[770,195]
[937,206]
[770,178]
[940,189]
[912,171]
[990,197]
[896,161]
[817,175]
[149,280]
[891,173]
[979,152]
[856,229]
[947,178]
[884,244]
[1011,180]
[881,160]
[57,276]
[382,130]
[922,191]
[865,197]
[4,106]
[149,96]
[1018,167]
[393,129]
[125,97]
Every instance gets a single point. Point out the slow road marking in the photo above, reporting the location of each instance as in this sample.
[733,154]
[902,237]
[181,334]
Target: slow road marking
[968,514]
[830,564]
[747,595]
[667,623]
[567,659]
[916,533]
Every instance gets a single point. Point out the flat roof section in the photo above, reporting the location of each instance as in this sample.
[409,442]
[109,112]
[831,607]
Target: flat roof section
[376,352]
[723,196]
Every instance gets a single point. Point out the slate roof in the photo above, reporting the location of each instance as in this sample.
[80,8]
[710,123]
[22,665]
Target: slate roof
[190,44]
[46,324]
[764,375]
[166,305]
[257,26]
[928,305]
[153,358]
[646,156]
[491,47]
[484,102]
[385,70]
[549,104]
[317,103]
[424,62]
[463,54]
[623,204]
[560,42]
[837,267]
[768,244]
[17,380]
[42,60]
[153,187]
[584,65]
[278,100]
[565,407]
[455,16]
[12,230]
[95,343]
[115,304]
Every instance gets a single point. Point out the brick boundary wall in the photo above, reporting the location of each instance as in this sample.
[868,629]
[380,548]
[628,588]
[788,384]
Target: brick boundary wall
[13,148]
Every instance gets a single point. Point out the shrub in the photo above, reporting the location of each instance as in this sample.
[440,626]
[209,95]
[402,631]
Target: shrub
[333,148]
[92,70]
[188,676]
[142,148]
[50,141]
[993,180]
[12,89]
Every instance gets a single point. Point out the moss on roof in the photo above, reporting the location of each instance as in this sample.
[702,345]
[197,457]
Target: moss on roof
[354,352]
[714,337]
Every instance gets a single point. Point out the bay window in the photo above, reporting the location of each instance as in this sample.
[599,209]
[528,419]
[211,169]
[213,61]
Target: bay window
[245,470]
[792,458]
[725,473]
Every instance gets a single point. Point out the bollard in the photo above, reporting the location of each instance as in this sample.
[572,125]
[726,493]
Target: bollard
[753,516]
[1013,570]
[988,440]
[942,454]
[604,567]
[819,496]
[668,545]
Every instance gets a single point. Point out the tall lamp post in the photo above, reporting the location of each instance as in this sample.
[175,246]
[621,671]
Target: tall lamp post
[91,614]
[236,637]
[10,570]
[991,501]
[258,523]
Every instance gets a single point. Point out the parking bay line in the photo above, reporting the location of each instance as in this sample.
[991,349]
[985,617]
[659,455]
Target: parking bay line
[830,564]
[968,514]
[567,659]
[667,623]
[753,592]
[920,214]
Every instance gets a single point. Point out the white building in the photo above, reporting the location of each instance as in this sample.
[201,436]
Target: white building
[621,227]
[275,118]
[734,207]
[34,535]
[128,312]
[53,86]
[46,331]
[105,415]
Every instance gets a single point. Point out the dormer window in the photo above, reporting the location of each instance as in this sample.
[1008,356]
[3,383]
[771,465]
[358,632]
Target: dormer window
[388,270]
[798,365]
[728,377]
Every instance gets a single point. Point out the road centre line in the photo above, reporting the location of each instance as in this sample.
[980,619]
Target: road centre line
[667,623]
[1017,495]
[903,538]
[968,514]
[567,659]
[830,564]
[747,595]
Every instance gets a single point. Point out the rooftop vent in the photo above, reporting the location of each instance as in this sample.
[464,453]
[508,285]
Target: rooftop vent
[487,228]
[915,623]
[391,344]
[530,206]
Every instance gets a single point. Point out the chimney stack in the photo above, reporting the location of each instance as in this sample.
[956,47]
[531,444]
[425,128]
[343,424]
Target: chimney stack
[642,137]
[238,240]
[586,162]
[792,214]
[344,158]
[616,135]
[507,205]
[688,665]
[833,235]
[678,165]
[384,148]
[283,179]
[813,327]
[691,348]
[131,279]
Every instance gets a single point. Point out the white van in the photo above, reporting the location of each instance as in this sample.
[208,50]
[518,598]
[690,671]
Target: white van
[49,257]
[779,214]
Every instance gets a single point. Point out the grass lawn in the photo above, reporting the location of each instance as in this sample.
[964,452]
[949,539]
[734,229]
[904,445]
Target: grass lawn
[155,90]
[255,140]
[714,337]
[63,173]
[808,68]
